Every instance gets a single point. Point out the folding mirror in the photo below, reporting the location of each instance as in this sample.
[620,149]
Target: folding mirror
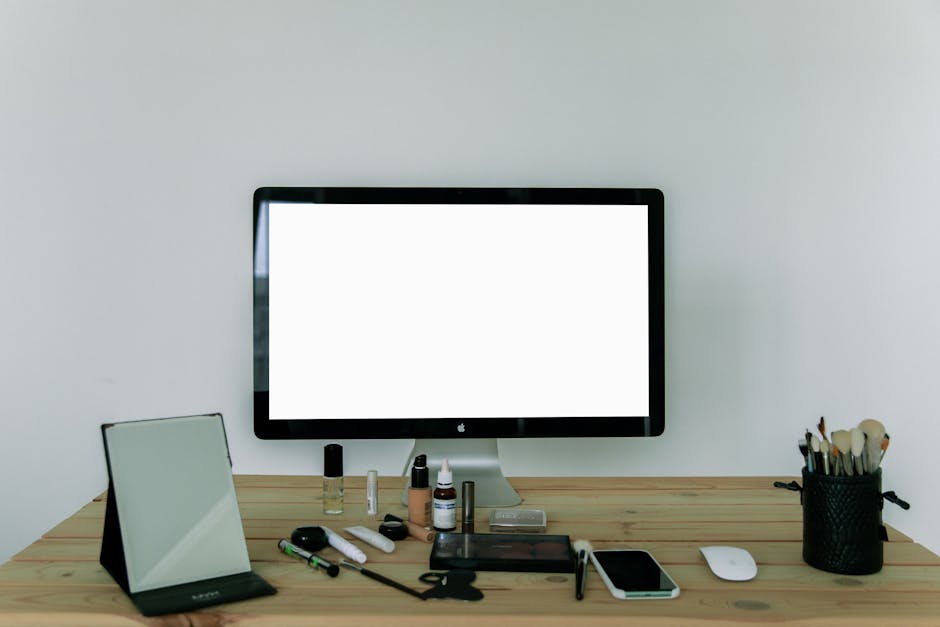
[173,537]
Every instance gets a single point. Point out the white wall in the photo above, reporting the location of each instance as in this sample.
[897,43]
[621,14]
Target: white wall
[797,143]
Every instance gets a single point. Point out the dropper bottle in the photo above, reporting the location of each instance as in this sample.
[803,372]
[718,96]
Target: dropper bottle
[444,500]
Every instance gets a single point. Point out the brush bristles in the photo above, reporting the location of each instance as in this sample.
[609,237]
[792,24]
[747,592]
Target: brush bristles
[582,545]
[849,452]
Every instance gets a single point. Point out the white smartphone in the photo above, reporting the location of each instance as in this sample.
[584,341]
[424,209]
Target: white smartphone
[633,574]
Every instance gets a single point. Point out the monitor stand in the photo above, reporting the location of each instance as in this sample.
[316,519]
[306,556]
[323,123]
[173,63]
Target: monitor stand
[472,459]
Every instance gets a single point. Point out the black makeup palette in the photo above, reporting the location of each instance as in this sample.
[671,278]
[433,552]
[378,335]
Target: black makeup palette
[538,553]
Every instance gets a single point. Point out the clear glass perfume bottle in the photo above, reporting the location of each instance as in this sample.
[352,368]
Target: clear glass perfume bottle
[333,479]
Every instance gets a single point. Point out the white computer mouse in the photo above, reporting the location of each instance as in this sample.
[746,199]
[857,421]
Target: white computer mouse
[730,562]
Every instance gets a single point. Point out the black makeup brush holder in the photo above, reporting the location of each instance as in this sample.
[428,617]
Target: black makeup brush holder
[842,528]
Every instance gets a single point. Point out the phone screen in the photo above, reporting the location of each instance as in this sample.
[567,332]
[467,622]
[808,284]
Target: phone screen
[636,573]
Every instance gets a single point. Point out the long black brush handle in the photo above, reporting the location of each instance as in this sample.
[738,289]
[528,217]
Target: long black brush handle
[383,579]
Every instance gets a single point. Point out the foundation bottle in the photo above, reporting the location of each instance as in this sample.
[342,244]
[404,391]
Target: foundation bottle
[419,494]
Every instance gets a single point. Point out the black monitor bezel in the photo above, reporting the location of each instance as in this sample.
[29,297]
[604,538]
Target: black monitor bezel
[444,427]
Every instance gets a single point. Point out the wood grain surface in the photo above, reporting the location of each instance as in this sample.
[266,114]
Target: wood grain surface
[58,580]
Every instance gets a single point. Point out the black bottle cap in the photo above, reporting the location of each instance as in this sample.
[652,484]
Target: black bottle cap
[393,530]
[419,473]
[311,539]
[333,460]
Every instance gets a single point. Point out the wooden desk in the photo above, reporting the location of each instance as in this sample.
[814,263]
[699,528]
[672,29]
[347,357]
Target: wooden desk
[58,580]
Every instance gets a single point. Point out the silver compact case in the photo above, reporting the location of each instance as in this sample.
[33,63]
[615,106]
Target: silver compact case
[517,521]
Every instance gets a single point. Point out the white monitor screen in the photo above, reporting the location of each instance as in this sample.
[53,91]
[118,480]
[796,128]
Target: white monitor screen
[457,310]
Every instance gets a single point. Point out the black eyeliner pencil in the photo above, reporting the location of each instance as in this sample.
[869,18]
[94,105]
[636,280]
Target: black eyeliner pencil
[382,579]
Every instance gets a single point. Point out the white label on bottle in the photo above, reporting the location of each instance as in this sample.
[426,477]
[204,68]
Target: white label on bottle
[444,515]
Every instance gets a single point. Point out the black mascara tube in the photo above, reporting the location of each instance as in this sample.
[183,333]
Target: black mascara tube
[313,560]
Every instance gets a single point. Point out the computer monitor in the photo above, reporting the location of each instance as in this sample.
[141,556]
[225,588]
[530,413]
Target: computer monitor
[455,316]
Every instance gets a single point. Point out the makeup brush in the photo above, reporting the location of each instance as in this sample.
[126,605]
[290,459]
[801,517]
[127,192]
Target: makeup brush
[824,449]
[582,549]
[822,427]
[810,462]
[817,456]
[835,461]
[842,442]
[884,447]
[804,451]
[874,433]
[371,574]
[858,447]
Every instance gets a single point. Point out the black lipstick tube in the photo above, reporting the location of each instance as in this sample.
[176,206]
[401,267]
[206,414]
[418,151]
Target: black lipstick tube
[467,488]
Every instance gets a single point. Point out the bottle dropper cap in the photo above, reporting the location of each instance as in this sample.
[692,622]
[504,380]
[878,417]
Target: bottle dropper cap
[333,460]
[445,477]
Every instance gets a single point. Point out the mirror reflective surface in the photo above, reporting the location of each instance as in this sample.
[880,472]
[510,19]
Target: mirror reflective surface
[176,500]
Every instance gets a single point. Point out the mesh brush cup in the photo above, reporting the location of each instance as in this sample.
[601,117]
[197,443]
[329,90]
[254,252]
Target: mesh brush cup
[842,527]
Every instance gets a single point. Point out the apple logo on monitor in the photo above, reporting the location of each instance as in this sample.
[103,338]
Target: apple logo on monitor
[461,428]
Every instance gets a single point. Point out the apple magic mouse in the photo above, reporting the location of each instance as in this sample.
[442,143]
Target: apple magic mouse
[730,562]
